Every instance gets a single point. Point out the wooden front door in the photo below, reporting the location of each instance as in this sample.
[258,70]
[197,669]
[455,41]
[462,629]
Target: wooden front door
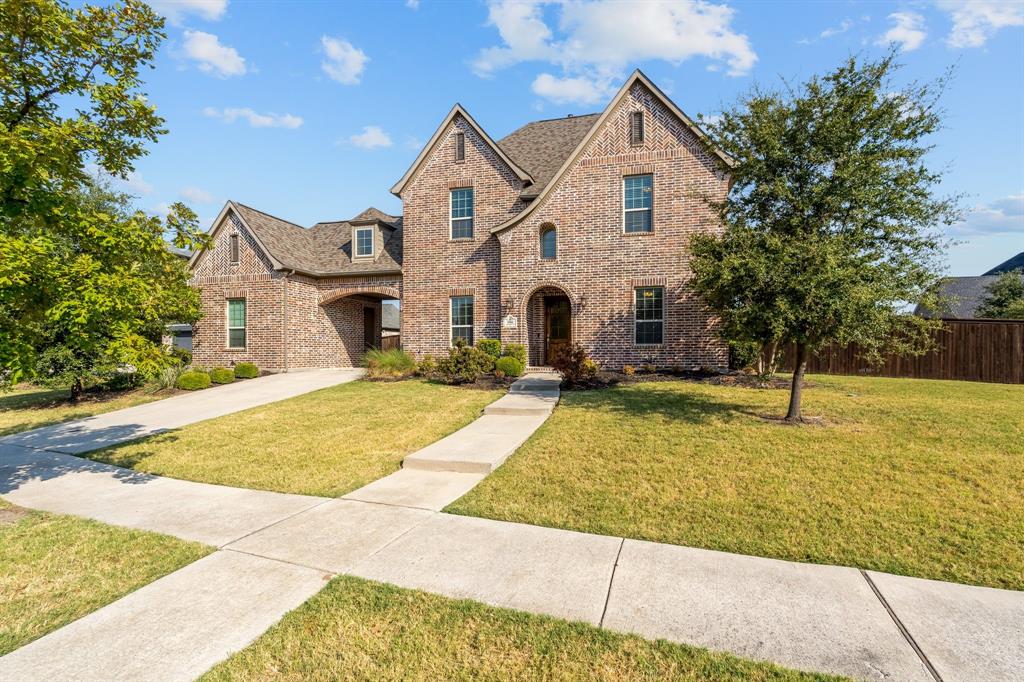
[369,328]
[557,325]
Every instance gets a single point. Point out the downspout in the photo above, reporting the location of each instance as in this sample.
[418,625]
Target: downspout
[284,305]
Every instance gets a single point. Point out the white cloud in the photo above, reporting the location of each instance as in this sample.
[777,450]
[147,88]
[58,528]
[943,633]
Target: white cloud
[844,26]
[412,4]
[372,137]
[196,195]
[134,183]
[975,21]
[563,90]
[256,120]
[907,31]
[344,61]
[177,10]
[1003,216]
[597,41]
[212,57]
[413,142]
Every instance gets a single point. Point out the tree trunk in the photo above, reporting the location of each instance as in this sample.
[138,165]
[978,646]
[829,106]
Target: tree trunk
[768,360]
[76,389]
[795,391]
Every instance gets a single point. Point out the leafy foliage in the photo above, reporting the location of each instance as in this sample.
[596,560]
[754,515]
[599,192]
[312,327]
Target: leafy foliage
[79,269]
[490,346]
[390,364]
[221,375]
[427,367]
[515,350]
[1004,298]
[508,367]
[246,370]
[829,224]
[573,363]
[464,364]
[193,380]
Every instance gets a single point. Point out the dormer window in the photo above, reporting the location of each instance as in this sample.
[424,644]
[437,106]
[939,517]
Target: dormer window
[364,242]
[233,248]
[460,146]
[636,127]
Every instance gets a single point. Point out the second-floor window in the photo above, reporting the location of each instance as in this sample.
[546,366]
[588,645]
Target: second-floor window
[364,241]
[548,242]
[233,242]
[462,213]
[637,200]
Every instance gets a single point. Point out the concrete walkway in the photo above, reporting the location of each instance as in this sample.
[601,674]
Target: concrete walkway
[859,623]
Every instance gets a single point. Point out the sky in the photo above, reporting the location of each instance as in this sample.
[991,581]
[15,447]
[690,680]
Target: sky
[312,110]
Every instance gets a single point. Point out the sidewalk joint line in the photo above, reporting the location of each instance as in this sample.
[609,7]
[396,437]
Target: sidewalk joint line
[348,571]
[611,581]
[281,520]
[902,628]
[280,561]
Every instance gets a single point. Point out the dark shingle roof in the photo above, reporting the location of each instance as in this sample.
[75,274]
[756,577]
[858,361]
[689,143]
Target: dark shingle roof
[325,248]
[963,297]
[542,147]
[1015,263]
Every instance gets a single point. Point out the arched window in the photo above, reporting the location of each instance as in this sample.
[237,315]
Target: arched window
[548,241]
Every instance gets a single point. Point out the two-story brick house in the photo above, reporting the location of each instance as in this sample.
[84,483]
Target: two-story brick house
[567,230]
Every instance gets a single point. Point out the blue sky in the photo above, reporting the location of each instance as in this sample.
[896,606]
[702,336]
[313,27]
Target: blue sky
[312,110]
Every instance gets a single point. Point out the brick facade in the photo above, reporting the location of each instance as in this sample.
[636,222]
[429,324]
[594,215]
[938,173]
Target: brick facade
[598,266]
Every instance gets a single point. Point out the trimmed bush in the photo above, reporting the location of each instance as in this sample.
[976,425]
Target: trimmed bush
[246,370]
[388,364]
[490,346]
[427,366]
[509,367]
[464,364]
[517,351]
[193,380]
[220,375]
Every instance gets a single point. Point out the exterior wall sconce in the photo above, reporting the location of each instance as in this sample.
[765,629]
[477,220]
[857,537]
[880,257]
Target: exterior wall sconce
[509,306]
[582,302]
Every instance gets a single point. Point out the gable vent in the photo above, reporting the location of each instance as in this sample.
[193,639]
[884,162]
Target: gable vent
[636,127]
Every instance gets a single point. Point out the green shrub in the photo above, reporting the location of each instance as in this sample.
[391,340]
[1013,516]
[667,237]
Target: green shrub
[427,367]
[575,366]
[464,364]
[517,351]
[193,380]
[183,355]
[220,375]
[388,364]
[168,378]
[490,346]
[246,370]
[509,367]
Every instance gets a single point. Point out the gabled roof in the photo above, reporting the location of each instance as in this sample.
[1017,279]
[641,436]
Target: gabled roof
[543,146]
[962,296]
[637,76]
[1015,263]
[322,250]
[457,110]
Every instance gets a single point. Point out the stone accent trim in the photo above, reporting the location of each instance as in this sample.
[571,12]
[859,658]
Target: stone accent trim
[649,282]
[462,291]
[460,183]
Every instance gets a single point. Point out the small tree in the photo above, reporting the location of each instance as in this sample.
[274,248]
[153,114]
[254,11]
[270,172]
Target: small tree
[828,226]
[1004,298]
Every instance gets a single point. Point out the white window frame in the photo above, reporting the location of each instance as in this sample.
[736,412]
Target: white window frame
[634,210]
[637,320]
[229,328]
[451,320]
[470,217]
[355,242]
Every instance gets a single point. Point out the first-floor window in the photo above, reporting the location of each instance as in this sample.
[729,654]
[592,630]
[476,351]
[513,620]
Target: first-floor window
[462,319]
[650,315]
[236,323]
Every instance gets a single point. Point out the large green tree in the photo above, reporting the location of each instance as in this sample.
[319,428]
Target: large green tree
[829,226]
[1004,298]
[77,267]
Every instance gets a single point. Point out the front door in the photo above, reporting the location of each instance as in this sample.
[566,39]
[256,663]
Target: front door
[369,328]
[557,325]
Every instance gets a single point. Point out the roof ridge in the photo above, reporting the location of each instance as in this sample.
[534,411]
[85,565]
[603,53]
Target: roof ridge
[559,118]
[269,215]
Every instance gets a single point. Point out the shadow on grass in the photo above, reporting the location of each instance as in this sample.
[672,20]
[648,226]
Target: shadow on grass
[686,407]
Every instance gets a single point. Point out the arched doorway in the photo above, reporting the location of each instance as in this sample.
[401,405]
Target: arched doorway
[357,320]
[549,325]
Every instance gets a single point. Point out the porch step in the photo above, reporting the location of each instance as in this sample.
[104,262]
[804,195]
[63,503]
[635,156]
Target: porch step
[524,403]
[479,448]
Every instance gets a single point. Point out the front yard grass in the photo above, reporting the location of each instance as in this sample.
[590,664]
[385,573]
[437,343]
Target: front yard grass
[55,569]
[328,442]
[356,629]
[29,407]
[914,477]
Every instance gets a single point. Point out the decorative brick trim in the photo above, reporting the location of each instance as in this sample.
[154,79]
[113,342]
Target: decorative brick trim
[649,282]
[460,183]
[236,293]
[636,158]
[462,291]
[358,290]
[640,169]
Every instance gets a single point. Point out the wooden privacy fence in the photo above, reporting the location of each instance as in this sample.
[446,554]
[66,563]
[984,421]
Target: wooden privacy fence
[389,342]
[967,350]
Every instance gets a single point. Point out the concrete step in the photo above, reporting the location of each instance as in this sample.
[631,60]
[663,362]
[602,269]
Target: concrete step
[524,404]
[479,448]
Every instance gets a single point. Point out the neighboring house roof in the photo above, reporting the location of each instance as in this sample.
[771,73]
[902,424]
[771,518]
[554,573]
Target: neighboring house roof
[457,110]
[962,296]
[324,249]
[543,146]
[1015,263]
[390,317]
[181,253]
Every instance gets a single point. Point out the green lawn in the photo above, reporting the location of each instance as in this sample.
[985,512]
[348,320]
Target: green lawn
[915,477]
[55,569]
[29,407]
[355,629]
[328,442]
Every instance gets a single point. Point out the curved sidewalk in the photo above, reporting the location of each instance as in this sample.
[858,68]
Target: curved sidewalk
[276,551]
